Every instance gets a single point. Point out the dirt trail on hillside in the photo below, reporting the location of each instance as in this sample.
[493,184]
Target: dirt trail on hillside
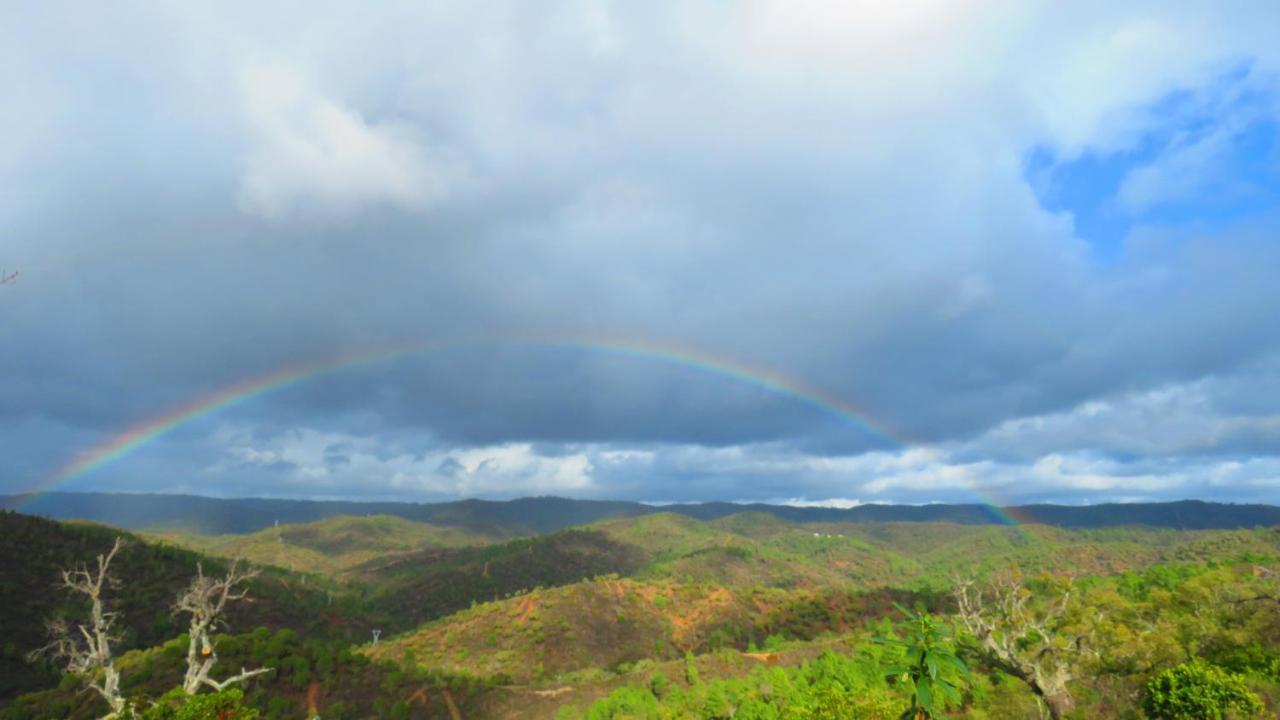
[526,607]
[313,698]
[557,692]
[453,707]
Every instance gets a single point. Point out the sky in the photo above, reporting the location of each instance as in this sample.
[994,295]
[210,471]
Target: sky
[818,252]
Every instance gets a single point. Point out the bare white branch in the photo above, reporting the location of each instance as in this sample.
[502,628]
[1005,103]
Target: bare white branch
[86,648]
[244,675]
[205,600]
[1022,637]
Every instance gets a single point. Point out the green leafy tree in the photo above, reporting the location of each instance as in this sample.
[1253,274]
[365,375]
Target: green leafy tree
[931,669]
[1198,691]
[690,669]
[177,705]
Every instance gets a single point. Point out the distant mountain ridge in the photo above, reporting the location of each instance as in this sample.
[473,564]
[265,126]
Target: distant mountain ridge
[540,515]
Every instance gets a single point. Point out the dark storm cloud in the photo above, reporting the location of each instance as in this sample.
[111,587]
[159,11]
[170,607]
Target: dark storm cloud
[310,185]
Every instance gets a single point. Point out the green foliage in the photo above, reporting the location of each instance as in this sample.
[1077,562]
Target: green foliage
[831,687]
[931,670]
[659,685]
[691,669]
[225,705]
[1250,658]
[333,545]
[400,710]
[149,576]
[809,595]
[1198,691]
[1138,584]
[414,588]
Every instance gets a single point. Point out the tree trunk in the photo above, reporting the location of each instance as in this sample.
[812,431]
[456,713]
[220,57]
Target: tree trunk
[1059,704]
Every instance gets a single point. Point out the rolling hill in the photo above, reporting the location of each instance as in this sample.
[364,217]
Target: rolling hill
[607,612]
[533,516]
[331,546]
[601,623]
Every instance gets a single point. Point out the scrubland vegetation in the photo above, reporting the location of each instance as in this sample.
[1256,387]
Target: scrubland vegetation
[667,616]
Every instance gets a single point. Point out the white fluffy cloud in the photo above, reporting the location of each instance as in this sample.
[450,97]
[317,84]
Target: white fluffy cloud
[309,152]
[1169,421]
[329,463]
[345,465]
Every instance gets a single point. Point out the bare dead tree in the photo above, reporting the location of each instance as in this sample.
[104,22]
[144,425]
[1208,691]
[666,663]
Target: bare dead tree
[86,649]
[205,600]
[1025,639]
[1273,576]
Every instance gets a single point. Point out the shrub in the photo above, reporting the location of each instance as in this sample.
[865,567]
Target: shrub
[400,710]
[659,685]
[1197,691]
[690,669]
[176,705]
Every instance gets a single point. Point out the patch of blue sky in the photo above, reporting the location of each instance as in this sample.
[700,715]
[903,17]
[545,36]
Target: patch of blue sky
[1216,154]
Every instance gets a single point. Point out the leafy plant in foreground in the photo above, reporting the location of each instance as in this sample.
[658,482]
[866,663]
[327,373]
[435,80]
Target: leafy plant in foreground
[931,667]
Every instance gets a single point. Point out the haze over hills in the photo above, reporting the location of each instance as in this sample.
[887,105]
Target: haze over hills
[530,516]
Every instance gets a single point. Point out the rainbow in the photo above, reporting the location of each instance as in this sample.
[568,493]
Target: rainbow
[143,433]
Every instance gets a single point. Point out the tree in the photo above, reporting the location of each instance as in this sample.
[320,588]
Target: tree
[690,669]
[931,666]
[1197,691]
[177,705]
[86,649]
[1032,641]
[205,600]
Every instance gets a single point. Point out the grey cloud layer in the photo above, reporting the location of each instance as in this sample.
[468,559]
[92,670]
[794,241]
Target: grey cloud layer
[195,198]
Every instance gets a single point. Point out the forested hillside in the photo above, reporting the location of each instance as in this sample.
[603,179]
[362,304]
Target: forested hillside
[533,516]
[331,546]
[148,577]
[663,615]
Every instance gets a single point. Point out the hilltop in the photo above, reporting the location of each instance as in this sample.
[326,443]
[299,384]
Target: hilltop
[535,516]
[604,622]
[331,546]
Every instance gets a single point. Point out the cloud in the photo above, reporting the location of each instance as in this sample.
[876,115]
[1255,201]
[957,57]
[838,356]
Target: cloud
[26,86]
[338,464]
[310,152]
[300,462]
[1175,420]
[1203,157]
[841,503]
[835,199]
[1177,175]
